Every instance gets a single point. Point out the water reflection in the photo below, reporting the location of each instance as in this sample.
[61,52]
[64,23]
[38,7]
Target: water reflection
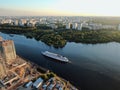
[93,67]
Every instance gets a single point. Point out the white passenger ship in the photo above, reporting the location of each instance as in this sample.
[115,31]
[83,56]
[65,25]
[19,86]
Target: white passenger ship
[55,56]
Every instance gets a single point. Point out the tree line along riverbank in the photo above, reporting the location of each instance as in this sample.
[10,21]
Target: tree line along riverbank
[59,38]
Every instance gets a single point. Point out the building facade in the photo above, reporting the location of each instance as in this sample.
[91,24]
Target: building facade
[8,51]
[68,26]
[74,26]
[3,70]
[119,27]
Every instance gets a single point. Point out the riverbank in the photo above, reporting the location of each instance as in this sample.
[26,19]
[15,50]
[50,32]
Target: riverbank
[96,65]
[59,38]
[45,72]
[49,37]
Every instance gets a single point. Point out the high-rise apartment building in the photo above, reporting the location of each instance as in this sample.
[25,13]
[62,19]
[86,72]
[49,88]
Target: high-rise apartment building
[68,26]
[74,26]
[8,52]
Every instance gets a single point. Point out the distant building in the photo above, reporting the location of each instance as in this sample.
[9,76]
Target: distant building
[53,26]
[6,21]
[22,22]
[8,52]
[16,22]
[108,27]
[84,24]
[79,27]
[68,26]
[30,24]
[119,27]
[95,26]
[74,26]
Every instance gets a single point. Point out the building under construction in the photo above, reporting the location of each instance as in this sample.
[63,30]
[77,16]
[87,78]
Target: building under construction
[7,50]
[7,55]
[3,70]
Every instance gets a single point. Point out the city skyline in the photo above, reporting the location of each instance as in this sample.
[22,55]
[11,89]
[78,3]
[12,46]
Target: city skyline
[59,8]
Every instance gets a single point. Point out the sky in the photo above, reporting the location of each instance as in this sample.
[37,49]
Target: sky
[59,7]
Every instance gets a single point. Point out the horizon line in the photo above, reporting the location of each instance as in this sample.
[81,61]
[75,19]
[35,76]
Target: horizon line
[58,16]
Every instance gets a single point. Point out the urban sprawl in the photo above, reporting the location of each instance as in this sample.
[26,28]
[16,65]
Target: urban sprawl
[75,23]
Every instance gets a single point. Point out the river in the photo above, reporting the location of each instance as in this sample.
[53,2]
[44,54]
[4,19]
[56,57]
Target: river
[93,67]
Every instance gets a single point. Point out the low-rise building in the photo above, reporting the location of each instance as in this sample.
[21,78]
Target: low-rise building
[38,83]
[29,84]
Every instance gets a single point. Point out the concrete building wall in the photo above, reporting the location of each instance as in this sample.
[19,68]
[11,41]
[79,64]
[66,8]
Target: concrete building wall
[8,51]
[1,39]
[3,69]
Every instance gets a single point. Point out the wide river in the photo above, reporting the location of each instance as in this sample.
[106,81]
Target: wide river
[93,67]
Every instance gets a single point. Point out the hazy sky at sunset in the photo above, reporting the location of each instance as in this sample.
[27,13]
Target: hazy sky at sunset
[60,7]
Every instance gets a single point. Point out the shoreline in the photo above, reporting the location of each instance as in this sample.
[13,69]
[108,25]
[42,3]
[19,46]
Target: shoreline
[47,71]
